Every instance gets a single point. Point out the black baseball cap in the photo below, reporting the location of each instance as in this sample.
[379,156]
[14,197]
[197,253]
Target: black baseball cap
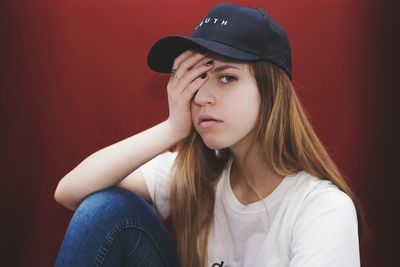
[232,31]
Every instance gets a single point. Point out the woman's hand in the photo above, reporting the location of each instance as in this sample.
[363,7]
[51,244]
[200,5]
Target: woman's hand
[186,78]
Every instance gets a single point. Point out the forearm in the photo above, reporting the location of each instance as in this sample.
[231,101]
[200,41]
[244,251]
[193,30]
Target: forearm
[110,165]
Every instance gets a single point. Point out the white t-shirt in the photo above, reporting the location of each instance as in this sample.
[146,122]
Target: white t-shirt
[310,222]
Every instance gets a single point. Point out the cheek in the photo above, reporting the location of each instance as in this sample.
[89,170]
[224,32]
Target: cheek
[244,120]
[245,112]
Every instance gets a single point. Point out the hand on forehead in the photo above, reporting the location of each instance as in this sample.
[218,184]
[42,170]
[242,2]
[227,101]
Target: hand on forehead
[219,61]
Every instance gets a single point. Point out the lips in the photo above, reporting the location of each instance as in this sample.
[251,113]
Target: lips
[207,121]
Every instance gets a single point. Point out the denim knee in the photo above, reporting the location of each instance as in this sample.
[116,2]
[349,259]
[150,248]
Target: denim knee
[115,202]
[108,215]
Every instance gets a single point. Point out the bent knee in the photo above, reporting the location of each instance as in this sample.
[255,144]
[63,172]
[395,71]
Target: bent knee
[113,201]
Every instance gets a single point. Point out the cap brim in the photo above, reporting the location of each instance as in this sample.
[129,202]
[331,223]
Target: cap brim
[164,52]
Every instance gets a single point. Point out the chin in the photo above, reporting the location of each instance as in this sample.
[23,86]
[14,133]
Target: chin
[214,144]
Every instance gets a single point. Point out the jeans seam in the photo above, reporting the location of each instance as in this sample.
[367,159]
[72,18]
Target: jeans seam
[125,224]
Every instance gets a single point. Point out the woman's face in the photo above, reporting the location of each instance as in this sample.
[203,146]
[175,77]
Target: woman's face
[230,95]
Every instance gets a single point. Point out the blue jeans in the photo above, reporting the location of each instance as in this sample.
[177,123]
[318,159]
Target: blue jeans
[116,227]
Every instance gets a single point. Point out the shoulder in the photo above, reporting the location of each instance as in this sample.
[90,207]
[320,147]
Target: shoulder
[320,193]
[158,169]
[320,203]
[312,201]
[167,156]
[325,227]
[162,161]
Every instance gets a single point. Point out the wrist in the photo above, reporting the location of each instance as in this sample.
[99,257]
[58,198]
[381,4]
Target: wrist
[171,131]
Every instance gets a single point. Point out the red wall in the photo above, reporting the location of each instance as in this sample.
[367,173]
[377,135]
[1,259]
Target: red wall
[74,79]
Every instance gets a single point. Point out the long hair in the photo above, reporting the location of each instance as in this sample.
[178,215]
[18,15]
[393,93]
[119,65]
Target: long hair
[289,145]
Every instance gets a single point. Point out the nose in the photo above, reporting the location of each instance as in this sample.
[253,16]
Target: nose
[205,95]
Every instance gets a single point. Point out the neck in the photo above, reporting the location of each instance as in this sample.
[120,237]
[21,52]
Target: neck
[254,170]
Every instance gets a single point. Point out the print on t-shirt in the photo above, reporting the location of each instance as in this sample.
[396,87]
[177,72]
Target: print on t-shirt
[221,264]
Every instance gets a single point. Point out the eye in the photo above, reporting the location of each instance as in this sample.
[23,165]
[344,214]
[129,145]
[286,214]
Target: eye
[227,79]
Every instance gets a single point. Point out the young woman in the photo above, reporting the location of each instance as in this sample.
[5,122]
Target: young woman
[249,184]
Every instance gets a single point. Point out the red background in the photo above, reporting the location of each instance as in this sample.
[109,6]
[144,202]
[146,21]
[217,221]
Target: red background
[74,79]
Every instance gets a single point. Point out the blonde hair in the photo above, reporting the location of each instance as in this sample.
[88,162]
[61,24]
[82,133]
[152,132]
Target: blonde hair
[289,145]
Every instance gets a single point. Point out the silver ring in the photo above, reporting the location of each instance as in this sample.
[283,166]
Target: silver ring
[173,74]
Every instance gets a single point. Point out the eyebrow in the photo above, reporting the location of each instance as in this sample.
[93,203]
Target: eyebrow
[223,67]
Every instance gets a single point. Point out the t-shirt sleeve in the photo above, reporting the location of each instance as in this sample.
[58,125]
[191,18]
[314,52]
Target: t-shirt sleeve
[157,176]
[326,233]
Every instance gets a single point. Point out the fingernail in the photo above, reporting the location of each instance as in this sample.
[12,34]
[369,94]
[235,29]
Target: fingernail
[204,75]
[209,63]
